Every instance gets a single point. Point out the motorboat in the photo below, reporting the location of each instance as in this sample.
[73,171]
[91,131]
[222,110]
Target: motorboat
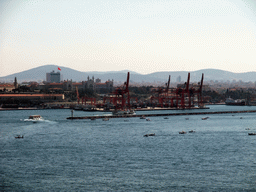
[205,118]
[251,133]
[34,118]
[19,137]
[150,134]
[105,119]
[78,108]
[182,132]
[192,131]
[166,118]
[143,117]
[148,119]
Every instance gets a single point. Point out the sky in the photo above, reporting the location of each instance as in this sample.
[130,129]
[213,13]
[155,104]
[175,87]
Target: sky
[144,36]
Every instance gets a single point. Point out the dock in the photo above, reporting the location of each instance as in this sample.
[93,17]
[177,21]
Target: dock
[155,115]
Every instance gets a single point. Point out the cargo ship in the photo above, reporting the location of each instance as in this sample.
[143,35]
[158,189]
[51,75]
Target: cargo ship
[230,101]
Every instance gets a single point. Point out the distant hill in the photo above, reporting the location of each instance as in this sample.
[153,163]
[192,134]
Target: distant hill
[39,73]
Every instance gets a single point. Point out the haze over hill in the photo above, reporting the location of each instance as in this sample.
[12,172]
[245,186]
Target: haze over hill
[39,73]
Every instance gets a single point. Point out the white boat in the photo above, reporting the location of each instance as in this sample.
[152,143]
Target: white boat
[34,118]
[19,137]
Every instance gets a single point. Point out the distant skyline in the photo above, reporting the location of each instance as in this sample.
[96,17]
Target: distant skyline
[144,36]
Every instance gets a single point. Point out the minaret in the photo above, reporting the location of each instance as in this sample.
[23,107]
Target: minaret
[15,83]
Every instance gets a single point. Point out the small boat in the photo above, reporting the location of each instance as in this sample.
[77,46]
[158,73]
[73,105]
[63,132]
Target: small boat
[143,117]
[78,108]
[247,129]
[34,118]
[187,118]
[205,118]
[182,132]
[251,133]
[93,118]
[148,119]
[150,134]
[19,137]
[166,118]
[105,119]
[192,131]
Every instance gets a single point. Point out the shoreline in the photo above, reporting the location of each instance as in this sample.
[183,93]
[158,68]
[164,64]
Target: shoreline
[155,115]
[102,110]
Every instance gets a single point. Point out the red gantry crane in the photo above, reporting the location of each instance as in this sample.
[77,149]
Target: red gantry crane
[120,96]
[181,97]
[85,99]
[200,92]
[181,92]
[186,95]
[162,94]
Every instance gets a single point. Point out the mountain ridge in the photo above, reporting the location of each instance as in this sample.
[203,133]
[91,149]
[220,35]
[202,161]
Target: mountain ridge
[39,73]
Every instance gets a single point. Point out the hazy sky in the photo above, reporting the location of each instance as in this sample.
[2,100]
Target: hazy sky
[139,35]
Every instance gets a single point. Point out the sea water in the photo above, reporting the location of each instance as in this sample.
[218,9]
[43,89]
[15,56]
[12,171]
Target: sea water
[86,155]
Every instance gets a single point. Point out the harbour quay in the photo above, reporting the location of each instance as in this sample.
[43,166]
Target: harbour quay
[155,115]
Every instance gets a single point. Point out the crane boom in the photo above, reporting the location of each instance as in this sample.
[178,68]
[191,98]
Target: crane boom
[127,81]
[187,87]
[201,85]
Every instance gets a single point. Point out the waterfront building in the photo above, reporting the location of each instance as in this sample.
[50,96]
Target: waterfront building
[6,87]
[108,85]
[69,85]
[31,97]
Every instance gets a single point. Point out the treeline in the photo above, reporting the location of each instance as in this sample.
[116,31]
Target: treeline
[234,94]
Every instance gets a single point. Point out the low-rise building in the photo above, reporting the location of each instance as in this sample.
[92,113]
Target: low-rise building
[6,87]
[32,97]
[68,85]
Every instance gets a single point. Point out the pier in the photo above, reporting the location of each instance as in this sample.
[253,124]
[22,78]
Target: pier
[155,115]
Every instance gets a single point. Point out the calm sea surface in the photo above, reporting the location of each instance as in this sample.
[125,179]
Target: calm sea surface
[85,155]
